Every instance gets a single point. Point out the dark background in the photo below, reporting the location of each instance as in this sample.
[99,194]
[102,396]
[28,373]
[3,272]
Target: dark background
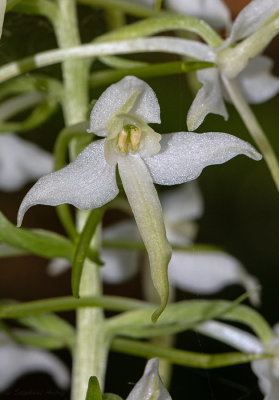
[241,215]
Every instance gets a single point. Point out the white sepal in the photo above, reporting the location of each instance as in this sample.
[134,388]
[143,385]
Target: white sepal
[235,337]
[116,96]
[209,99]
[21,162]
[210,272]
[150,386]
[257,82]
[88,182]
[183,155]
[16,360]
[251,18]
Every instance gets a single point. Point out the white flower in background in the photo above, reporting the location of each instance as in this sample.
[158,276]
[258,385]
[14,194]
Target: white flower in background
[21,162]
[215,12]
[254,79]
[17,360]
[205,272]
[143,156]
[150,386]
[266,370]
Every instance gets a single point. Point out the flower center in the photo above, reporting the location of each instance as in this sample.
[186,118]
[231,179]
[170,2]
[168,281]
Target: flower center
[129,137]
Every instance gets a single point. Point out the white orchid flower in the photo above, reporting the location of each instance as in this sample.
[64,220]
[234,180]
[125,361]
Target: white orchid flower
[143,156]
[255,79]
[215,12]
[17,360]
[267,369]
[21,162]
[150,386]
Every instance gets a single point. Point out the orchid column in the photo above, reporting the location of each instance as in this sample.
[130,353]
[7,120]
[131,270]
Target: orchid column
[88,349]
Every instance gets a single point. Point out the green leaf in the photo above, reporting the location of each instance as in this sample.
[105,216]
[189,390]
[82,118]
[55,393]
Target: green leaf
[114,303]
[82,247]
[107,77]
[31,338]
[52,325]
[11,251]
[181,357]
[40,242]
[37,117]
[163,23]
[185,315]
[93,391]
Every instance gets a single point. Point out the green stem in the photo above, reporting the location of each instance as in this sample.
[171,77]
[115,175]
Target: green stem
[68,303]
[254,128]
[82,246]
[126,6]
[75,72]
[181,357]
[92,345]
[92,342]
[107,77]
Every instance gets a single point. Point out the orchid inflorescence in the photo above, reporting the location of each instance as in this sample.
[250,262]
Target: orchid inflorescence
[115,161]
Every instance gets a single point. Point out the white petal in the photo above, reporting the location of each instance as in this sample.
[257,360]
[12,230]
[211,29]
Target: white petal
[21,161]
[2,14]
[116,95]
[209,99]
[215,12]
[150,386]
[209,272]
[87,183]
[231,335]
[183,203]
[251,18]
[268,383]
[256,81]
[120,265]
[16,361]
[183,155]
[58,266]
[146,207]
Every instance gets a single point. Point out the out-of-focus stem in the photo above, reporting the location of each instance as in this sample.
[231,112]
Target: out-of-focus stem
[254,128]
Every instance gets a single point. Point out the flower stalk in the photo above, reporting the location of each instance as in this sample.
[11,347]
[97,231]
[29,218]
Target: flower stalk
[91,346]
[254,128]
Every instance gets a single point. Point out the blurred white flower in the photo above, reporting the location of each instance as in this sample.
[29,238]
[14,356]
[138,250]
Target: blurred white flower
[254,79]
[17,360]
[21,162]
[121,115]
[213,11]
[266,370]
[150,386]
